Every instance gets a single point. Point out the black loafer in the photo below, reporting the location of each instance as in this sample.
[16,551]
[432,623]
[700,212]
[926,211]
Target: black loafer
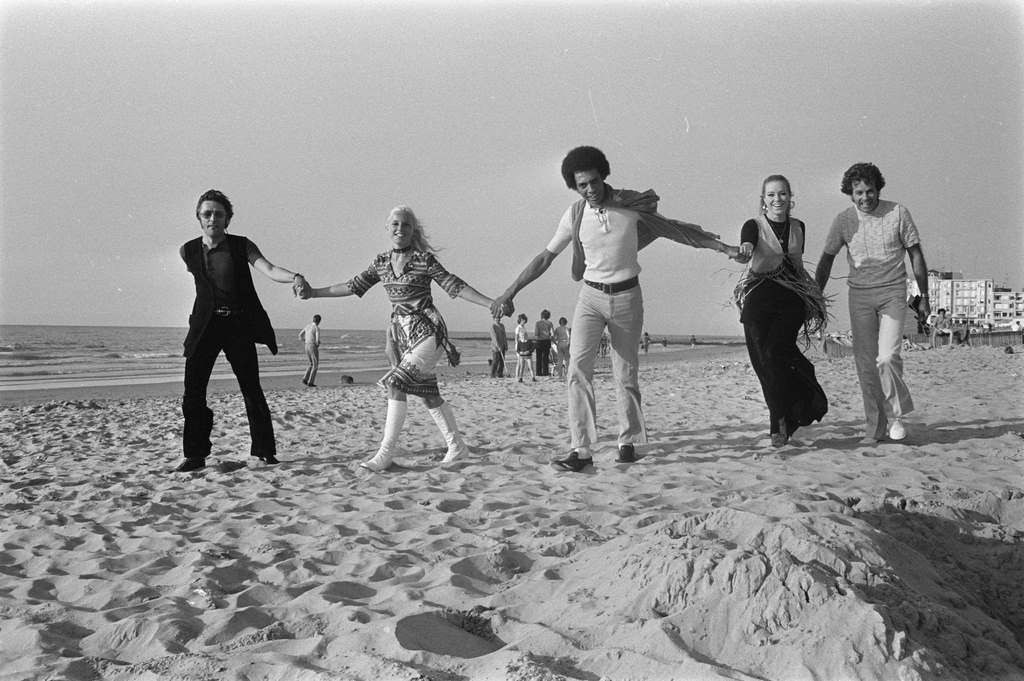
[627,454]
[190,465]
[573,462]
[267,458]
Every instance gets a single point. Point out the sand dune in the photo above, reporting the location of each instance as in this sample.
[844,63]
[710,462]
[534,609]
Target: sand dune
[713,557]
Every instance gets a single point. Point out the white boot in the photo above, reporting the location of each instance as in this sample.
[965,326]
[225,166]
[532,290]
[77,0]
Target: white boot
[444,417]
[389,444]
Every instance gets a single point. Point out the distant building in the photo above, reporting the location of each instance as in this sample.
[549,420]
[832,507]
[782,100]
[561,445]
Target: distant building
[1007,306]
[974,301]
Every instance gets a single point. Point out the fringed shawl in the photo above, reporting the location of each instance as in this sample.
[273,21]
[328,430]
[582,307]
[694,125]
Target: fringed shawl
[794,278]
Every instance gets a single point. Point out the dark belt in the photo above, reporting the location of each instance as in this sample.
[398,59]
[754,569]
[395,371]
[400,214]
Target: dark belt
[226,311]
[617,287]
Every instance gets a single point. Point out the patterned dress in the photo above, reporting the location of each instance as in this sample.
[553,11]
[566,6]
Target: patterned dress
[417,327]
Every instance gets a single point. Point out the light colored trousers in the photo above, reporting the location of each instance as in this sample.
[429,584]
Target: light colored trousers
[623,315]
[876,318]
[313,355]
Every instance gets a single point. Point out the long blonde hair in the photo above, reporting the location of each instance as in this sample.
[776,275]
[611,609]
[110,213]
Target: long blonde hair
[419,237]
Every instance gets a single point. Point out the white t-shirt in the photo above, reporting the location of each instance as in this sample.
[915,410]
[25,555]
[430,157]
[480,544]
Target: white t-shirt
[609,243]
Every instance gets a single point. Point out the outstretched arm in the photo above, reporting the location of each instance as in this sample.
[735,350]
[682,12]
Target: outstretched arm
[274,272]
[333,291]
[472,295]
[824,269]
[281,275]
[917,263]
[657,225]
[502,305]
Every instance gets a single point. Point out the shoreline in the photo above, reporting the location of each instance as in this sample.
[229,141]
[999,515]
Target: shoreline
[102,390]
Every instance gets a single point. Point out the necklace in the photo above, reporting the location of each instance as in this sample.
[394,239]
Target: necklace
[781,230]
[402,250]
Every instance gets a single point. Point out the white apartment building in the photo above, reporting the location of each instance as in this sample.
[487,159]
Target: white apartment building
[1007,306]
[975,301]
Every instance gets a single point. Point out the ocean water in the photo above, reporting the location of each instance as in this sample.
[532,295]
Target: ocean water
[34,356]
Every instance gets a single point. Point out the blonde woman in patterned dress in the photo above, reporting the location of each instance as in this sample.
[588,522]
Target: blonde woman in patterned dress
[406,271]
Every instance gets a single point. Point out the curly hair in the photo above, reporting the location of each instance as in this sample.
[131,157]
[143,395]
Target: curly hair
[419,237]
[581,159]
[862,172]
[219,197]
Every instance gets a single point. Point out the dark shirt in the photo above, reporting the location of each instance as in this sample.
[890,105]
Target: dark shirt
[221,271]
[750,232]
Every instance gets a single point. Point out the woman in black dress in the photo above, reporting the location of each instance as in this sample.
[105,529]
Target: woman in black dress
[776,297]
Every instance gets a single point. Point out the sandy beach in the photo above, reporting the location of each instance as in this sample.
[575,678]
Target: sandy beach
[714,557]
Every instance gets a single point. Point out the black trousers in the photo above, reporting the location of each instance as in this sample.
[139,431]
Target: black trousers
[772,319]
[230,335]
[543,352]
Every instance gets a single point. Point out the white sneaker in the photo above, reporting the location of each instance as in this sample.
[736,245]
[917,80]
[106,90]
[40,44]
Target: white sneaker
[897,431]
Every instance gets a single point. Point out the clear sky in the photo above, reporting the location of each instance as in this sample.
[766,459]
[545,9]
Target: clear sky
[316,118]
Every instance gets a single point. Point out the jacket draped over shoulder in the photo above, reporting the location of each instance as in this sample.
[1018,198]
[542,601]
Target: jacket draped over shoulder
[650,225]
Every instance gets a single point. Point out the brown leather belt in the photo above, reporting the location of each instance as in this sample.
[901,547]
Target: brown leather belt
[617,287]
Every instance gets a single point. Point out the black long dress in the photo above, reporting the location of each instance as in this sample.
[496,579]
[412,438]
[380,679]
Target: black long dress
[772,316]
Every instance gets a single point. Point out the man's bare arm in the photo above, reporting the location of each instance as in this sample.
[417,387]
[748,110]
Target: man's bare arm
[539,265]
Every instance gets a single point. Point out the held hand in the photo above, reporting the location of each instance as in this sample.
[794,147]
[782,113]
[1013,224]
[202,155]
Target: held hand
[302,289]
[924,309]
[502,305]
[737,254]
[746,251]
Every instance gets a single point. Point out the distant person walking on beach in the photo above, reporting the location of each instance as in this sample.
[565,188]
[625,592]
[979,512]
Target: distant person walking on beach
[524,349]
[645,342]
[606,228]
[226,315]
[542,332]
[877,234]
[310,336]
[560,338]
[776,297]
[419,332]
[499,346]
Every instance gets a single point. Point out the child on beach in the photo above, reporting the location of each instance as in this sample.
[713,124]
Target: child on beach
[419,332]
[561,338]
[524,349]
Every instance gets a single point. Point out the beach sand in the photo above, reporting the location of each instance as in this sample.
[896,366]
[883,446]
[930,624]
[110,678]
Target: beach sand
[714,557]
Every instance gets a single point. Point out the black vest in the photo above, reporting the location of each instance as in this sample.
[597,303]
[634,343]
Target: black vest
[255,317]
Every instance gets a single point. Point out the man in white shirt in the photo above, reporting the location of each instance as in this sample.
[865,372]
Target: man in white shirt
[310,335]
[878,235]
[606,228]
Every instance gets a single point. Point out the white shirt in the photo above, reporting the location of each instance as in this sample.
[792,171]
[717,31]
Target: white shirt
[609,243]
